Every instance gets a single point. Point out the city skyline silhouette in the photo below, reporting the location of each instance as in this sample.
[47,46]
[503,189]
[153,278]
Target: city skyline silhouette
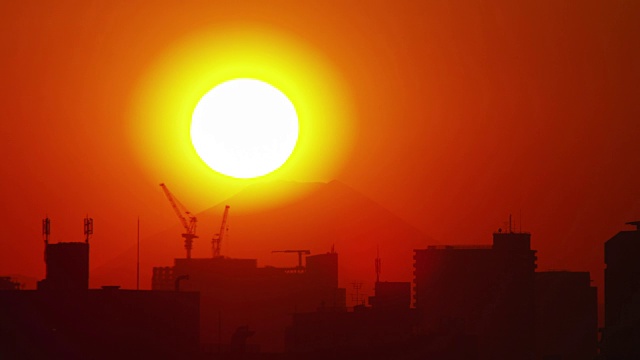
[464,302]
[410,124]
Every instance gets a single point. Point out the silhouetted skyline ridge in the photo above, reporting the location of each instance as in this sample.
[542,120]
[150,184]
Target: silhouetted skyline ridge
[325,215]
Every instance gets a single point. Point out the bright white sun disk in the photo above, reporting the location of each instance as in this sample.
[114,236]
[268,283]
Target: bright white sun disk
[244,128]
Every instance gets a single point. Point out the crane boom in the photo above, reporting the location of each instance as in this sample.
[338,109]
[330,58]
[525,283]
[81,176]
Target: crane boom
[217,238]
[188,225]
[175,207]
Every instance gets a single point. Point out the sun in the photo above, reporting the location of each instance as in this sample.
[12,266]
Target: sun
[179,145]
[244,128]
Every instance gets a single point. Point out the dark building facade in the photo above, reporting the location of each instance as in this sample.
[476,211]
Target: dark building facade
[566,321]
[236,293]
[7,283]
[389,329]
[67,265]
[621,335]
[483,291]
[391,295]
[98,324]
[64,319]
[364,333]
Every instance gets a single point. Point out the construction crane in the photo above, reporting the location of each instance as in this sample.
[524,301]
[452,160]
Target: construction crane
[300,252]
[183,214]
[216,241]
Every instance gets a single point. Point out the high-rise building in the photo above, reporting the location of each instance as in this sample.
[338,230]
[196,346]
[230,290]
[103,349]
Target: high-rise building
[64,319]
[621,336]
[67,265]
[566,316]
[386,330]
[104,323]
[483,291]
[236,293]
[391,295]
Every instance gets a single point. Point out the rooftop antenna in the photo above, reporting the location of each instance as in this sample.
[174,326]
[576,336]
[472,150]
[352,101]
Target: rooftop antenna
[378,265]
[46,231]
[88,228]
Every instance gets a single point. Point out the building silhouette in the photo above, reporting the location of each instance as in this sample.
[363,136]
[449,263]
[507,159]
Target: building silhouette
[469,302]
[7,283]
[98,324]
[391,295]
[64,319]
[67,263]
[388,329]
[67,266]
[483,291]
[494,294]
[566,316]
[236,293]
[621,335]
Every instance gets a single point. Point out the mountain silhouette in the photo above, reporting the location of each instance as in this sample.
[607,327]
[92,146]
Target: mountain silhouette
[325,216]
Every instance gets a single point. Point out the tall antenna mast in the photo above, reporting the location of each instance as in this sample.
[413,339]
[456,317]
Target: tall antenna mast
[378,265]
[138,259]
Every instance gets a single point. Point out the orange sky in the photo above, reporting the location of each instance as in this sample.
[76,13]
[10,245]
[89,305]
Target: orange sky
[460,116]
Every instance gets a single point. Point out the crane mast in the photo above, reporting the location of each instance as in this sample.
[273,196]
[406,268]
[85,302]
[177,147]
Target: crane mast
[216,241]
[188,225]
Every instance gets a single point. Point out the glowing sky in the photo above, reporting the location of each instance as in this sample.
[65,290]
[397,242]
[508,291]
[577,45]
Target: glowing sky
[451,116]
